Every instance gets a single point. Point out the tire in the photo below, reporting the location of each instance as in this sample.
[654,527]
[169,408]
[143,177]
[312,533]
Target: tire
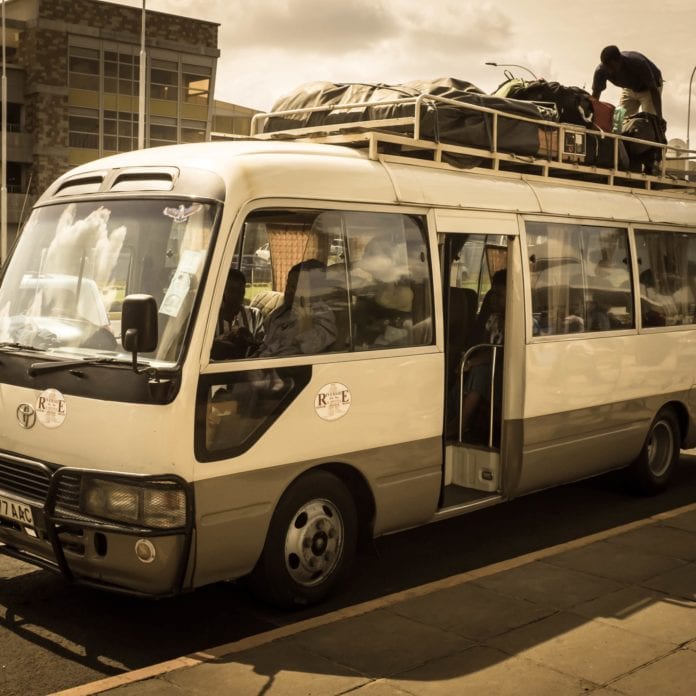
[310,544]
[655,464]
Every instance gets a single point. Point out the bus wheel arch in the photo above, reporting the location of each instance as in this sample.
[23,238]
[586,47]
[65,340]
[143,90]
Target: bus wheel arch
[682,415]
[311,541]
[653,467]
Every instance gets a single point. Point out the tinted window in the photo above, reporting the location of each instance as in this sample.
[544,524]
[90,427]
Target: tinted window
[580,278]
[667,277]
[328,281]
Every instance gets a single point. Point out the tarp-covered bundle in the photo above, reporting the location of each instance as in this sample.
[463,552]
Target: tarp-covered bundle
[440,121]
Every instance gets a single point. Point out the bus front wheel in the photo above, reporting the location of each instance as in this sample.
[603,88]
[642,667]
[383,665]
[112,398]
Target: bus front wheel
[658,458]
[310,544]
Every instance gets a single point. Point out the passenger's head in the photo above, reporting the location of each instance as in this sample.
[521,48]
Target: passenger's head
[233,297]
[498,284]
[611,58]
[306,280]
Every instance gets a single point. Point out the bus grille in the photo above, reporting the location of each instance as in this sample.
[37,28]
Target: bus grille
[31,481]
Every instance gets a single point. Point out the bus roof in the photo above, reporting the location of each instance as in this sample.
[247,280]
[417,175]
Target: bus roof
[243,170]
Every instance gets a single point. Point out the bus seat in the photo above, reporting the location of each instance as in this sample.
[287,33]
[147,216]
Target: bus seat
[461,320]
[337,300]
[266,301]
[463,303]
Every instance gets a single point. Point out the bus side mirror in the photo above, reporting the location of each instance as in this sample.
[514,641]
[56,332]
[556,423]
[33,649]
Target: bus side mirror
[139,324]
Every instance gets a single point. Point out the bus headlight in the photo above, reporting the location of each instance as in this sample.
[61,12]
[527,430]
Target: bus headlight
[157,505]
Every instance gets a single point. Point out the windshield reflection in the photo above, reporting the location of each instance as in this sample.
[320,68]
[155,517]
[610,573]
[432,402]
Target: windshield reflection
[74,264]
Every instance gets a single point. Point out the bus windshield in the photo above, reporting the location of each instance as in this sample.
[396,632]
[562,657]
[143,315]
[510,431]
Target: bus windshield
[74,263]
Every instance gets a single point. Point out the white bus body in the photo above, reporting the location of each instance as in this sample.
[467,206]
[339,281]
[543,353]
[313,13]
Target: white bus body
[169,470]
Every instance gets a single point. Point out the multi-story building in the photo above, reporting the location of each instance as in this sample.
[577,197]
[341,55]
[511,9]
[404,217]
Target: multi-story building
[73,70]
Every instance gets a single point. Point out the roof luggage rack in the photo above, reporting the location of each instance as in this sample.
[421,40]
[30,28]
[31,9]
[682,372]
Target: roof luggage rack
[485,138]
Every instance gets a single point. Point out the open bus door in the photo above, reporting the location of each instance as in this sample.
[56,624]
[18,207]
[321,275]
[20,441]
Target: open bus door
[474,262]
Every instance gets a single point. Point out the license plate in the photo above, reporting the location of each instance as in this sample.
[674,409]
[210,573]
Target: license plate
[13,510]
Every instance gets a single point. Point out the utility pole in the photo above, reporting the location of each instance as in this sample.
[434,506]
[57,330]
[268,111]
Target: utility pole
[3,155]
[141,91]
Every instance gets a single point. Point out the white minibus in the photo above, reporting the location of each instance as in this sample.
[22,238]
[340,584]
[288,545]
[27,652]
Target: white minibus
[423,339]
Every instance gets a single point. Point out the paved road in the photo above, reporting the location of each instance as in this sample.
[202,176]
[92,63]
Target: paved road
[54,636]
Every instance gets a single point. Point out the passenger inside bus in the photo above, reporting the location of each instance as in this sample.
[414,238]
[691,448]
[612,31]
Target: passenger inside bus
[240,328]
[304,323]
[384,296]
[489,329]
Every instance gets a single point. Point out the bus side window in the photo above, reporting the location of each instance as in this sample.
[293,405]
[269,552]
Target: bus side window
[580,278]
[667,278]
[390,282]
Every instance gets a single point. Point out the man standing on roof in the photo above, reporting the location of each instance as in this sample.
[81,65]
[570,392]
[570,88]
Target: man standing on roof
[640,78]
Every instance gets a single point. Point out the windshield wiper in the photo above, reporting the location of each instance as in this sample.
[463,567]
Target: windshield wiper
[58,365]
[14,345]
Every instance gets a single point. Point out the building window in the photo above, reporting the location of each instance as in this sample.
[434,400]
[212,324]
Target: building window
[196,83]
[120,129]
[14,177]
[14,117]
[84,68]
[193,131]
[162,134]
[121,73]
[164,80]
[83,126]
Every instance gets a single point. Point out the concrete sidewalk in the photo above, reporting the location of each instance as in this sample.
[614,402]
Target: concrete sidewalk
[614,613]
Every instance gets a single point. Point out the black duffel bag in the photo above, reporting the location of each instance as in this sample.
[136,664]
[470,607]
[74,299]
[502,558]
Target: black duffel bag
[642,156]
[573,103]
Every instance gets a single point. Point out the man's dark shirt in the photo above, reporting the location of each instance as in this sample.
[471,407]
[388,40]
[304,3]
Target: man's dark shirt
[636,73]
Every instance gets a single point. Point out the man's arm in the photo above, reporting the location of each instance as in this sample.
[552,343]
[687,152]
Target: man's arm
[599,82]
[656,100]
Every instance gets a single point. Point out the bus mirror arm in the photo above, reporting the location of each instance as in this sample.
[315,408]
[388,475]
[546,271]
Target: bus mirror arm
[130,343]
[139,330]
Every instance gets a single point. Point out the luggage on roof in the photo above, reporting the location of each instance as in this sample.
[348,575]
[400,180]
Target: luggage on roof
[440,121]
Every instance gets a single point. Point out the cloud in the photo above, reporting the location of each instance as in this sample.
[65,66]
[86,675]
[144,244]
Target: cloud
[363,41]
[306,25]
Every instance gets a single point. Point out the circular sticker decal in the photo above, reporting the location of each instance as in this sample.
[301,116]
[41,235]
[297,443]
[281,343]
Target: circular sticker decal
[51,408]
[332,401]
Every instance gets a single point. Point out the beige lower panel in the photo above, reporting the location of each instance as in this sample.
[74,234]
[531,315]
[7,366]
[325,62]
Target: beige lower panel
[568,446]
[233,512]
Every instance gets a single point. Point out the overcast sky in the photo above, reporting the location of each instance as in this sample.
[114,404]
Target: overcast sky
[268,47]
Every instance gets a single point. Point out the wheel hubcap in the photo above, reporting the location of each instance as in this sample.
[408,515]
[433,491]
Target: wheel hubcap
[660,449]
[314,542]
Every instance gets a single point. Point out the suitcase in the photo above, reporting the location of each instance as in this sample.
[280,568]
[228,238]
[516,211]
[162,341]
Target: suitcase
[602,115]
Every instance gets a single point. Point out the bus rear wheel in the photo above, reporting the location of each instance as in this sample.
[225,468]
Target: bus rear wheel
[653,468]
[310,544]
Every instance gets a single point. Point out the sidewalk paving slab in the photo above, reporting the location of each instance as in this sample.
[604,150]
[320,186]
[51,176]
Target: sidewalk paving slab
[550,585]
[485,670]
[613,614]
[473,611]
[674,675]
[585,649]
[620,563]
[381,643]
[660,539]
[644,612]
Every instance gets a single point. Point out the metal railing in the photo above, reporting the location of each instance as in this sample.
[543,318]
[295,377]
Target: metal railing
[463,367]
[407,131]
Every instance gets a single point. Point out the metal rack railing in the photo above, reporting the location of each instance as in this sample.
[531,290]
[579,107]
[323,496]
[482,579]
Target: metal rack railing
[562,152]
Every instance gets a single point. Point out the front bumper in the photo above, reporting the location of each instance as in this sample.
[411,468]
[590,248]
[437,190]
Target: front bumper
[84,549]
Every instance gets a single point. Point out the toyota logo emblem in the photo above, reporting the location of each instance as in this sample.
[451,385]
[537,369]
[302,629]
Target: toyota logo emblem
[26,415]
